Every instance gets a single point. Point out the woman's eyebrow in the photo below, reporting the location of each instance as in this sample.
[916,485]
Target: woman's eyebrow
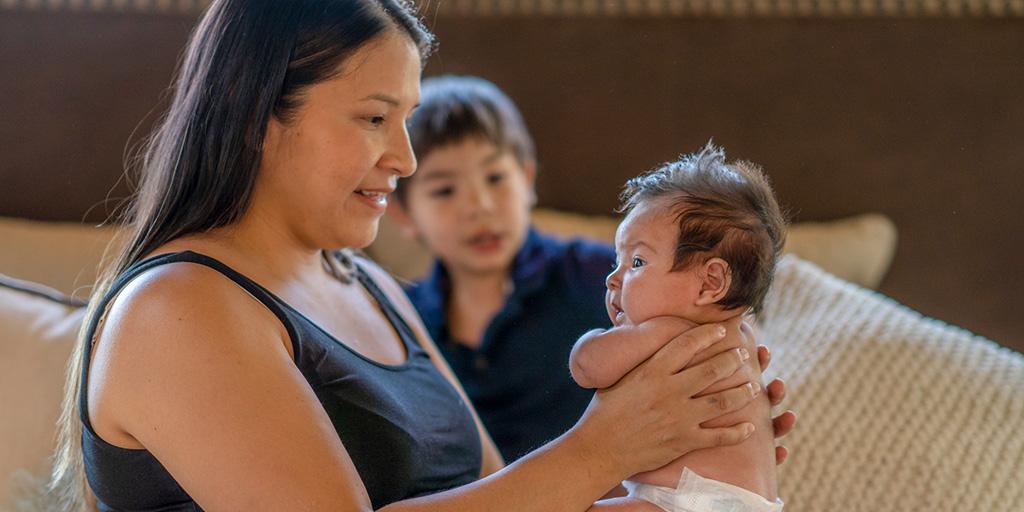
[391,100]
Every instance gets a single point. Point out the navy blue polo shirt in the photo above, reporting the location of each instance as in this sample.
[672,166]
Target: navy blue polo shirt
[518,378]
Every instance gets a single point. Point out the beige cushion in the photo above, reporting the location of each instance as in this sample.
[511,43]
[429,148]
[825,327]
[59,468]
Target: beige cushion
[37,334]
[898,412]
[64,256]
[858,249]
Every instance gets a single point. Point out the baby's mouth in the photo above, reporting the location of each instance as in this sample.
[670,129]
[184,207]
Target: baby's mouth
[620,315]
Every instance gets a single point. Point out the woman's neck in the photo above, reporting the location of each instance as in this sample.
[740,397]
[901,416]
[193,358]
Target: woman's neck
[259,249]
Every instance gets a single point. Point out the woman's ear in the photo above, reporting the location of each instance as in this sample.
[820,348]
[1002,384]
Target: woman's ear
[398,214]
[716,279]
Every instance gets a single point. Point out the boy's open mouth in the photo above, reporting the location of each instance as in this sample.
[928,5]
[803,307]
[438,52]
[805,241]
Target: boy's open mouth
[485,241]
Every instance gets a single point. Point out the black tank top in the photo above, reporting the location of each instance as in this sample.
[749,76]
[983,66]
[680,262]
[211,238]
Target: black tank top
[405,427]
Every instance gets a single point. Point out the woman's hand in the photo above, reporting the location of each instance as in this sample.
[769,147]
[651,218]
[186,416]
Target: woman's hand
[650,417]
[784,422]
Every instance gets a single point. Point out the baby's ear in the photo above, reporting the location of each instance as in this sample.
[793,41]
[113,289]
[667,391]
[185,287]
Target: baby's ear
[715,281]
[397,214]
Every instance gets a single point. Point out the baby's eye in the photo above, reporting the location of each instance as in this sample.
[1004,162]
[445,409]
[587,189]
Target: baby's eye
[442,192]
[637,262]
[495,177]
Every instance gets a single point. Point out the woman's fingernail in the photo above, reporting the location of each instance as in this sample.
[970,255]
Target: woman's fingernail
[744,354]
[720,331]
[750,429]
[755,388]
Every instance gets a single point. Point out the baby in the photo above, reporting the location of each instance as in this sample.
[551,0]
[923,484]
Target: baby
[698,245]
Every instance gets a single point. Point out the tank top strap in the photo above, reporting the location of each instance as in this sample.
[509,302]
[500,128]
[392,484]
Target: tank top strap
[405,332]
[258,292]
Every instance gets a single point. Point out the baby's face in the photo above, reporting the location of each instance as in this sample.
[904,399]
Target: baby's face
[643,285]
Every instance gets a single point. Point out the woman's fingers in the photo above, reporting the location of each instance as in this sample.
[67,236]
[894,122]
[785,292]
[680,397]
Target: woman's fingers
[724,436]
[784,423]
[764,357]
[723,402]
[699,377]
[780,455]
[776,391]
[678,352]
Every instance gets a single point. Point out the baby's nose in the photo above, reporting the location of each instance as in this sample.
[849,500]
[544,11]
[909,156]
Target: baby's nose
[612,281]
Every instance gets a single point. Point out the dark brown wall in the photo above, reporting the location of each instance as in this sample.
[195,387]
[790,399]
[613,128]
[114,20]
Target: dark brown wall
[921,119]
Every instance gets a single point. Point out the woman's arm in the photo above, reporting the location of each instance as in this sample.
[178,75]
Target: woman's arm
[601,357]
[223,407]
[198,372]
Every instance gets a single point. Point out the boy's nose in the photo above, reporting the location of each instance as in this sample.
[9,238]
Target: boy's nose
[480,200]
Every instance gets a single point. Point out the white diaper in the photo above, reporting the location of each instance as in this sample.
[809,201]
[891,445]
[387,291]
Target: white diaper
[698,494]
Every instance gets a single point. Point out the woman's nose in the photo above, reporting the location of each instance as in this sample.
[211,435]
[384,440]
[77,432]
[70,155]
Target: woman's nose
[400,157]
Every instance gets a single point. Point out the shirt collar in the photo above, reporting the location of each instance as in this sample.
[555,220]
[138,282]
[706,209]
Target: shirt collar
[528,275]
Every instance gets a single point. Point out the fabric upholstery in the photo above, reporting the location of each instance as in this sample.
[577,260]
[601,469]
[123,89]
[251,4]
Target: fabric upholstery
[897,411]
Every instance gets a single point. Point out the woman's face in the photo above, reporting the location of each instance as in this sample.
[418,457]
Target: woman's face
[326,173]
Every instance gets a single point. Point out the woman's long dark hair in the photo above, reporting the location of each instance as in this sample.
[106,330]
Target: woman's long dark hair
[247,60]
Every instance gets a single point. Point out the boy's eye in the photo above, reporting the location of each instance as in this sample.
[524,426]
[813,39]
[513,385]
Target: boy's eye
[495,177]
[442,192]
[637,262]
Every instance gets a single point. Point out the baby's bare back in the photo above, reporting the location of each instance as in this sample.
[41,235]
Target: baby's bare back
[750,464]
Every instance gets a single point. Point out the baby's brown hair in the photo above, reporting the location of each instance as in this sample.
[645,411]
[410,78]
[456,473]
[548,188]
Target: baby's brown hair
[723,210]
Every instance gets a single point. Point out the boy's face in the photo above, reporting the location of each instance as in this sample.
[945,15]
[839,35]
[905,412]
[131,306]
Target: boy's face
[470,203]
[643,284]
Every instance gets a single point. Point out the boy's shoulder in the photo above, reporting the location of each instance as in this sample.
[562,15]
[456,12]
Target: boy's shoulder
[583,258]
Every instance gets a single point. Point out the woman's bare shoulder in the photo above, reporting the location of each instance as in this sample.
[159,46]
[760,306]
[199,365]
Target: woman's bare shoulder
[178,308]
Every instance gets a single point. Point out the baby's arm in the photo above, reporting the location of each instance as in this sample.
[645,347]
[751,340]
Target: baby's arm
[601,357]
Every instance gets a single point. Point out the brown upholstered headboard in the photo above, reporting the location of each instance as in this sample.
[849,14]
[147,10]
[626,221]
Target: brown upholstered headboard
[912,109]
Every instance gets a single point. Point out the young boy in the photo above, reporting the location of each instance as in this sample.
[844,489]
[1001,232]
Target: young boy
[503,302]
[698,245]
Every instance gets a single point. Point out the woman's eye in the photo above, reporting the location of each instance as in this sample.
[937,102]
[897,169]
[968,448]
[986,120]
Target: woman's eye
[375,120]
[637,262]
[443,192]
[495,177]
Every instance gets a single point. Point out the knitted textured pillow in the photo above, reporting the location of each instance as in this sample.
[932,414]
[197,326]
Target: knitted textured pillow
[38,328]
[898,412]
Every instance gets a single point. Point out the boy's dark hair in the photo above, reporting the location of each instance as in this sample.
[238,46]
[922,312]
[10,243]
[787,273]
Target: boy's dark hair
[454,108]
[723,210]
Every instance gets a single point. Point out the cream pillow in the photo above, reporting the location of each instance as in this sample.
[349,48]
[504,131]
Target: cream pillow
[898,412]
[38,328]
[61,255]
[858,249]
